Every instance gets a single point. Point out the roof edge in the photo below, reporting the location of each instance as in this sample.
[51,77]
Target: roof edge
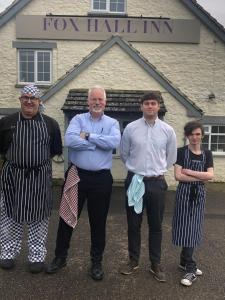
[206,18]
[12,10]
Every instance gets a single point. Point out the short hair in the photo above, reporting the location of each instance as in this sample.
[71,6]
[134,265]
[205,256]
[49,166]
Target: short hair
[151,96]
[192,125]
[97,87]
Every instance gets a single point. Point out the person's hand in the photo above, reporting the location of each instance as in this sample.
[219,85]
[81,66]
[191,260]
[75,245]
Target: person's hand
[82,135]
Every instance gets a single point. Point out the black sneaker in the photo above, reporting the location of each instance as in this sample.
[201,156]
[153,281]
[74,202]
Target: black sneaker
[188,279]
[96,271]
[7,264]
[158,273]
[57,264]
[129,267]
[36,267]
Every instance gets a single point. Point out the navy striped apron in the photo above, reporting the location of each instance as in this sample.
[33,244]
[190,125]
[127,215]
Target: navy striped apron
[27,173]
[189,206]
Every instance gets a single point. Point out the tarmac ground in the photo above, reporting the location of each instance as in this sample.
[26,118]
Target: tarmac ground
[73,281]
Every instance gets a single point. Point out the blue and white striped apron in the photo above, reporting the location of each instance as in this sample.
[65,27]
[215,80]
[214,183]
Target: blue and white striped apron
[27,174]
[189,206]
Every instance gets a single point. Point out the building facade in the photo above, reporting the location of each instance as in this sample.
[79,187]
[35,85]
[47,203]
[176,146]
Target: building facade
[172,47]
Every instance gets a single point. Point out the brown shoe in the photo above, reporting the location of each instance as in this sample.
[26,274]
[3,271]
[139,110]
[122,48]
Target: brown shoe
[129,267]
[157,272]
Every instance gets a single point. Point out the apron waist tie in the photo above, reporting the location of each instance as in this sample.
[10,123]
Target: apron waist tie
[28,170]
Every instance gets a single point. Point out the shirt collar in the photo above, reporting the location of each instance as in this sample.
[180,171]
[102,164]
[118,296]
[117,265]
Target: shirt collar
[153,124]
[90,117]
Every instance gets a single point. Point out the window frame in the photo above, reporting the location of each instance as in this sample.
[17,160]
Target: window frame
[36,51]
[107,10]
[209,133]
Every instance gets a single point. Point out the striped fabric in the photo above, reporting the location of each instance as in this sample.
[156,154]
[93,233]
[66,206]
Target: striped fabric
[69,204]
[27,173]
[189,207]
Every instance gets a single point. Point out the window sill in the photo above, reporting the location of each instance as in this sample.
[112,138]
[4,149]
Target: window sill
[42,86]
[218,153]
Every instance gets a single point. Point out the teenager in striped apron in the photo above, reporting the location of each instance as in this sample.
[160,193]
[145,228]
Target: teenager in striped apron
[26,181]
[193,168]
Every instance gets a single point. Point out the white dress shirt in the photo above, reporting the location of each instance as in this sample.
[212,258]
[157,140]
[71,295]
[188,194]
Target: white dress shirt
[148,150]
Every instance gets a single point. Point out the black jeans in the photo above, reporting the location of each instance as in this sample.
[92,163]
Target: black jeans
[154,202]
[186,259]
[96,187]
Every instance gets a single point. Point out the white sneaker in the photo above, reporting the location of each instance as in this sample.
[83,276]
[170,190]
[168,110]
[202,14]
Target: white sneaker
[198,272]
[188,279]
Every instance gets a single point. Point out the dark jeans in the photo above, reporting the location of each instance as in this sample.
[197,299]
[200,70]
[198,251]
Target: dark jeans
[186,259]
[96,187]
[154,202]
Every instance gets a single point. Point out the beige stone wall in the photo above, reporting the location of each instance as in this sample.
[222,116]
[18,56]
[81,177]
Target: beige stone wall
[196,69]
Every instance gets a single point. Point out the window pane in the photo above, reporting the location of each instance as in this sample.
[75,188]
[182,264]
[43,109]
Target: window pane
[206,129]
[113,7]
[103,5]
[46,76]
[99,4]
[46,56]
[40,66]
[43,76]
[117,5]
[214,139]
[205,139]
[221,147]
[23,66]
[23,56]
[40,76]
[31,67]
[43,66]
[46,66]
[120,7]
[215,129]
[26,65]
[40,56]
[96,4]
[221,139]
[214,147]
[222,129]
[23,77]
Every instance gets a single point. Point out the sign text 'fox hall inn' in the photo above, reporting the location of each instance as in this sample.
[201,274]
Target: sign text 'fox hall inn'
[101,28]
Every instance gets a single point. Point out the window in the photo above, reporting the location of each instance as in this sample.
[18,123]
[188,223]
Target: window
[214,138]
[123,123]
[35,66]
[109,6]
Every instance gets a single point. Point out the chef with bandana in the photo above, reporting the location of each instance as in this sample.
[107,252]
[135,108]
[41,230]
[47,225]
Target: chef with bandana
[28,141]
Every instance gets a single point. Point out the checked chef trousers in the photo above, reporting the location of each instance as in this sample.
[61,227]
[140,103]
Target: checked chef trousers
[11,234]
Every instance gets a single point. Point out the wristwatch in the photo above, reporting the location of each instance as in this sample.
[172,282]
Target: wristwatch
[87,134]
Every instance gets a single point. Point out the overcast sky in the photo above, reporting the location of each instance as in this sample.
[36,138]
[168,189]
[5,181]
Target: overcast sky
[215,7]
